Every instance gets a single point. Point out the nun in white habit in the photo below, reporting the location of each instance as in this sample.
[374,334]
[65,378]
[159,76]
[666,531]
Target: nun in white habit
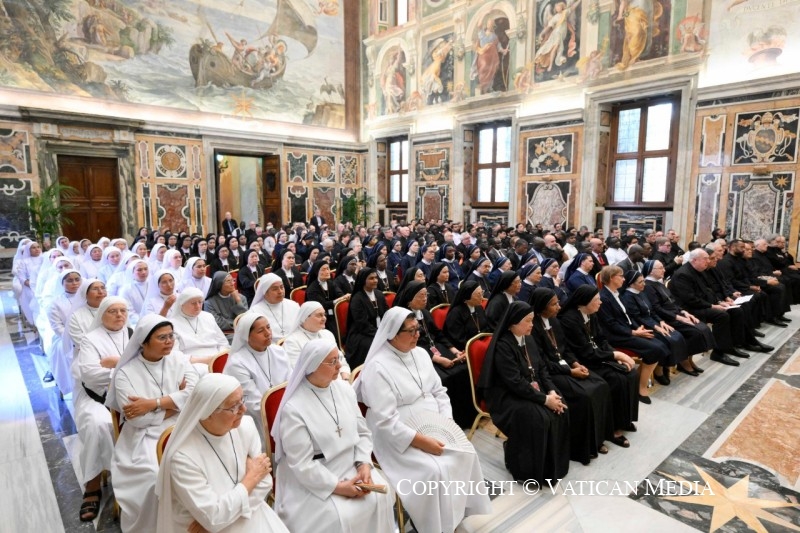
[399,381]
[213,474]
[161,295]
[256,363]
[195,276]
[156,256]
[270,300]
[151,384]
[112,257]
[92,261]
[91,294]
[199,337]
[135,289]
[323,451]
[310,325]
[58,313]
[172,263]
[116,281]
[16,283]
[28,267]
[100,352]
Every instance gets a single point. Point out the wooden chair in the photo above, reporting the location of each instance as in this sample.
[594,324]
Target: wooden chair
[116,425]
[236,320]
[256,284]
[340,311]
[353,375]
[439,314]
[217,365]
[280,342]
[476,352]
[390,296]
[162,443]
[268,270]
[597,280]
[298,295]
[269,410]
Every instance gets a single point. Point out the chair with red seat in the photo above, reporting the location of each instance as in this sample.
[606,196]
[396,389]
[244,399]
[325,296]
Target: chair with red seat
[217,364]
[476,352]
[439,314]
[597,280]
[340,311]
[484,303]
[235,275]
[269,410]
[390,296]
[298,295]
[208,271]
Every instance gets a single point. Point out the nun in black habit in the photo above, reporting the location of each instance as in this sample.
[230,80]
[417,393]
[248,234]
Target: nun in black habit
[524,402]
[321,288]
[505,291]
[449,361]
[439,290]
[367,307]
[466,317]
[587,395]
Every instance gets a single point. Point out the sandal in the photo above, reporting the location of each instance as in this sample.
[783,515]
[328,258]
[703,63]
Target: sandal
[603,449]
[90,510]
[621,441]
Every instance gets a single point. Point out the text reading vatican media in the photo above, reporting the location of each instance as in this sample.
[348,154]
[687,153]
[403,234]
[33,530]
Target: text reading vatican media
[663,487]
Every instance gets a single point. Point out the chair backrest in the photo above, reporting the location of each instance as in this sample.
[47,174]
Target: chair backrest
[268,270]
[390,296]
[116,423]
[353,377]
[304,275]
[280,342]
[269,409]
[298,295]
[597,280]
[162,443]
[256,284]
[340,311]
[236,320]
[208,271]
[217,365]
[439,314]
[235,275]
[476,353]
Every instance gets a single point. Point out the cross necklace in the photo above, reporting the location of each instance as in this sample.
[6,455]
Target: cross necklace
[334,418]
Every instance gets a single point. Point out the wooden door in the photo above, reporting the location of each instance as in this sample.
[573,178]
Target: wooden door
[271,170]
[95,212]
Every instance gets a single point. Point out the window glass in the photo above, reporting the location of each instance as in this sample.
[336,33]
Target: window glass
[504,144]
[503,181]
[654,181]
[485,145]
[625,181]
[485,185]
[628,131]
[659,120]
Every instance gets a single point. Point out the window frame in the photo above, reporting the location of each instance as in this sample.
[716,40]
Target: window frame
[494,165]
[641,154]
[399,171]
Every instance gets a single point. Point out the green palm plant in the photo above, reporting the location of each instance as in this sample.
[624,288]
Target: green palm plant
[46,210]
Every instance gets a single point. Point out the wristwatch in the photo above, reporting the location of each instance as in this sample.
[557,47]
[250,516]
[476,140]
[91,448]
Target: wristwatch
[357,464]
[158,405]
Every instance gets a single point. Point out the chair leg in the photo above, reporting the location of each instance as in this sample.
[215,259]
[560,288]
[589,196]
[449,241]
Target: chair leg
[401,519]
[474,426]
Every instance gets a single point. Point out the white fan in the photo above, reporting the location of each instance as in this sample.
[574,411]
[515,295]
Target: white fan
[443,429]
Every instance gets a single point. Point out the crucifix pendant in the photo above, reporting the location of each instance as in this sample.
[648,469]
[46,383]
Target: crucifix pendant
[339,430]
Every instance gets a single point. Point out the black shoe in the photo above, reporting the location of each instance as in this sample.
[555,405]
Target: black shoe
[738,353]
[645,399]
[724,359]
[757,333]
[663,379]
[692,372]
[697,369]
[776,323]
[784,319]
[756,346]
[48,377]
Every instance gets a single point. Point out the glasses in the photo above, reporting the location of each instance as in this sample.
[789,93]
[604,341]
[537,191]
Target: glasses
[117,312]
[333,363]
[165,337]
[413,331]
[234,408]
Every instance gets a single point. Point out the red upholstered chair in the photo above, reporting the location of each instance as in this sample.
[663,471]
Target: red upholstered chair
[439,314]
[476,352]
[217,365]
[340,313]
[390,296]
[208,271]
[269,409]
[304,275]
[162,443]
[298,295]
[484,303]
[597,280]
[235,275]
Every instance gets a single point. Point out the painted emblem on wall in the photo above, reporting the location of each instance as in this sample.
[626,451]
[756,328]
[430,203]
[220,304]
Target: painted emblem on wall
[323,169]
[14,220]
[170,161]
[433,164]
[549,155]
[766,137]
[348,169]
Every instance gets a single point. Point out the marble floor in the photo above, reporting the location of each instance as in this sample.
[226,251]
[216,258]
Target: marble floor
[720,452]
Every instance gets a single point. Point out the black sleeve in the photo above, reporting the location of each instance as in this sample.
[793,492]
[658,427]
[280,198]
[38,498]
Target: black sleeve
[509,366]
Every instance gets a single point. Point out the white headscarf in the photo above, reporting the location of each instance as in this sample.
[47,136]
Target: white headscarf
[90,263]
[153,290]
[241,332]
[306,310]
[311,356]
[208,396]
[186,295]
[130,275]
[391,323]
[145,325]
[166,263]
[104,305]
[267,281]
[155,264]
[136,245]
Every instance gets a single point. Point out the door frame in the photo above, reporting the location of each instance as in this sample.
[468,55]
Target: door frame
[126,180]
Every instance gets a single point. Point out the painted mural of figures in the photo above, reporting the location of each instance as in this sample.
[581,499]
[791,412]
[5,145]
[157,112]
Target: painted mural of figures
[640,19]
[433,89]
[393,83]
[590,67]
[239,51]
[558,40]
[490,56]
[691,33]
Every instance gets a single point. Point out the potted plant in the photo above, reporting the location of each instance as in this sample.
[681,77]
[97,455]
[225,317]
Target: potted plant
[46,210]
[355,208]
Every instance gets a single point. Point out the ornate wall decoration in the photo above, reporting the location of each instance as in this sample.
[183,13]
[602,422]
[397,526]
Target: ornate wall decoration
[348,169]
[170,161]
[436,81]
[297,166]
[381,172]
[143,151]
[324,200]
[766,137]
[549,155]
[172,206]
[490,64]
[707,206]
[489,216]
[558,41]
[15,156]
[324,169]
[15,223]
[638,220]
[713,140]
[547,203]
[639,31]
[393,82]
[198,209]
[759,205]
[432,203]
[469,149]
[433,164]
[297,198]
[147,206]
[19,179]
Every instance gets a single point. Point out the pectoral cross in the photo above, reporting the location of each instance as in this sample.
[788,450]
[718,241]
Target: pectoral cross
[339,430]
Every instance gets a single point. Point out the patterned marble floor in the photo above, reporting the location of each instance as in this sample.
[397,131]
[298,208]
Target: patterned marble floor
[732,431]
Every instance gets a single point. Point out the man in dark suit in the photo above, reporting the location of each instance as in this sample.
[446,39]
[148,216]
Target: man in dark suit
[598,253]
[663,252]
[317,221]
[229,225]
[690,288]
[634,260]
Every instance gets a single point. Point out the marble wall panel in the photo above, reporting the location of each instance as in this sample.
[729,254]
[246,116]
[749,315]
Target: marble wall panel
[707,205]
[19,180]
[469,151]
[297,165]
[380,194]
[173,206]
[297,196]
[547,203]
[768,136]
[431,179]
[325,201]
[713,141]
[432,203]
[757,205]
